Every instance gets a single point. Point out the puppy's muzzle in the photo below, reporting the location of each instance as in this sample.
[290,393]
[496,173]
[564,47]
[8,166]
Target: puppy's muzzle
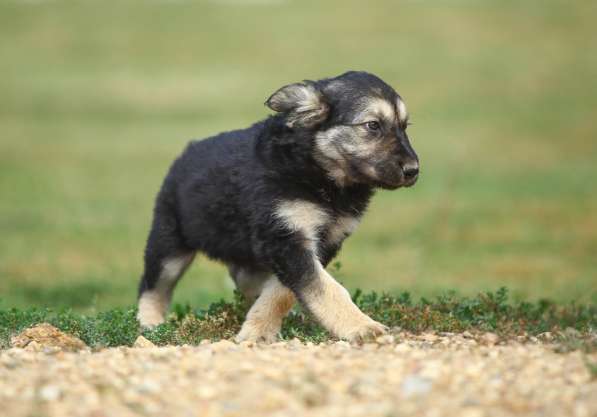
[399,175]
[410,173]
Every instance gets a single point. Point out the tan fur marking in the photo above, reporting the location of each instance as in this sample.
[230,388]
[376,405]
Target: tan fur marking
[402,112]
[264,319]
[152,308]
[304,217]
[376,109]
[302,101]
[331,304]
[153,304]
[329,156]
[383,108]
[172,267]
[342,228]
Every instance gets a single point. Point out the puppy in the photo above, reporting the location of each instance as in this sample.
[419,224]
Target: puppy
[274,202]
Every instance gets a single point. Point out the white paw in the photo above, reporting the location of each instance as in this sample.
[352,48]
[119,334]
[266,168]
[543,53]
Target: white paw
[149,323]
[257,334]
[365,332]
[152,309]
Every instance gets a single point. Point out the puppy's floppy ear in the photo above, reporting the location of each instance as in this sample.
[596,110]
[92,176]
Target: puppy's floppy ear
[303,103]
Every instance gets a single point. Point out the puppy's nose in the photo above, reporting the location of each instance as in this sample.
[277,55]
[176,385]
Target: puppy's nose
[410,171]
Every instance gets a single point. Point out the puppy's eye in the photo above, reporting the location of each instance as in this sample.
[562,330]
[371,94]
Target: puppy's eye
[373,126]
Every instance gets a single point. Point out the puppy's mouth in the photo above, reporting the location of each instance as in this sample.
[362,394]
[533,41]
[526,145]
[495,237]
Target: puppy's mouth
[399,180]
[384,177]
[395,185]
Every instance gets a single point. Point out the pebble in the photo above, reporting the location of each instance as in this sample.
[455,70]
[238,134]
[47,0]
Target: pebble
[490,338]
[49,393]
[45,336]
[385,340]
[415,385]
[223,345]
[342,344]
[547,336]
[142,342]
[429,337]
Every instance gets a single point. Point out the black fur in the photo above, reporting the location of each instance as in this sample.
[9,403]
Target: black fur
[220,195]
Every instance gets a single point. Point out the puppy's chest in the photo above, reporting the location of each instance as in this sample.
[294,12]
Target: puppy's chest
[337,229]
[320,225]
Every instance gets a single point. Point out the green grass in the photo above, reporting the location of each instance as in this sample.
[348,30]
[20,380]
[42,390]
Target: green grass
[572,325]
[97,99]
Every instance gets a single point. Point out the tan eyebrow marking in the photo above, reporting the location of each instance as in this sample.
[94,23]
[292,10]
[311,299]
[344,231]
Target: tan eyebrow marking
[402,112]
[377,108]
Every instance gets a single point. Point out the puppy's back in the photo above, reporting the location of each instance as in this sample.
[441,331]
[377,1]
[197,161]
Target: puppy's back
[206,186]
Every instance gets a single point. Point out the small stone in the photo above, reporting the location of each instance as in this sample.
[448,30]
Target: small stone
[44,335]
[142,342]
[415,385]
[148,387]
[311,393]
[402,348]
[429,337]
[50,392]
[223,345]
[467,335]
[546,336]
[51,350]
[490,338]
[369,347]
[472,412]
[33,346]
[385,340]
[206,392]
[295,343]
[342,344]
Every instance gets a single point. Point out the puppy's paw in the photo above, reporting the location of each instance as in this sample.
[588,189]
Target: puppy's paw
[152,309]
[149,323]
[365,332]
[257,334]
[149,318]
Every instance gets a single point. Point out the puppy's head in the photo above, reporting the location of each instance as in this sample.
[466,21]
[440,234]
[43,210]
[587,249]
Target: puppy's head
[359,128]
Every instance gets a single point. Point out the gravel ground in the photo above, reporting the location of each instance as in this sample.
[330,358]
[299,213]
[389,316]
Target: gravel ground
[426,375]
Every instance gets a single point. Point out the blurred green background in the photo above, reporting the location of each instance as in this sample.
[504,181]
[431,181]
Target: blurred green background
[97,99]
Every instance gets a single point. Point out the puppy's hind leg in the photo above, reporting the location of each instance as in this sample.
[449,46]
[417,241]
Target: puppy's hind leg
[157,284]
[166,259]
[248,281]
[264,319]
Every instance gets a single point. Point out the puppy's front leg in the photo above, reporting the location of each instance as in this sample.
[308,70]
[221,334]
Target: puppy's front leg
[331,304]
[327,300]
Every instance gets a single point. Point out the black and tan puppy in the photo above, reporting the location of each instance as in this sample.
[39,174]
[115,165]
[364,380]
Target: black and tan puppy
[275,201]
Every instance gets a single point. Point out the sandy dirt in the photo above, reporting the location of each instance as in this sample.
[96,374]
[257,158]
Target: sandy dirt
[425,375]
